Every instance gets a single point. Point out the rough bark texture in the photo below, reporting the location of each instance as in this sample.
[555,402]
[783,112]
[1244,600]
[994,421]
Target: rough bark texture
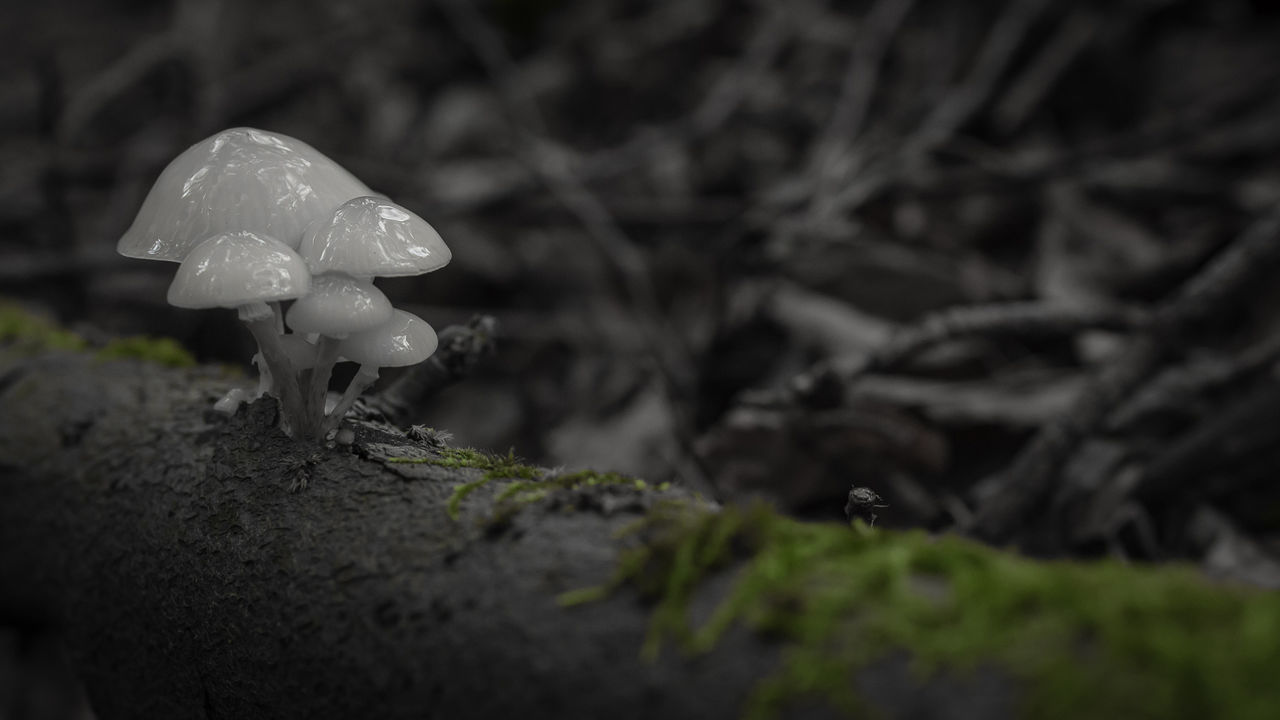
[191,582]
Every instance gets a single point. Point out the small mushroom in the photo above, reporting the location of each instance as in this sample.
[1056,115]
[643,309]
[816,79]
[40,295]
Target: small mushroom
[238,179]
[245,270]
[373,237]
[404,340]
[242,270]
[337,306]
[367,237]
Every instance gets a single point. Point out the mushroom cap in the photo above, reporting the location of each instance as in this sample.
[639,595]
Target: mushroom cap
[239,179]
[406,339]
[338,305]
[237,268]
[372,236]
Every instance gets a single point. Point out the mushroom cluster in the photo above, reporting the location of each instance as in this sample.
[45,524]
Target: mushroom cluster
[258,219]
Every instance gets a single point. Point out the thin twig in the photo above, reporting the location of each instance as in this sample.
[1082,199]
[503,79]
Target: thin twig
[717,107]
[1015,319]
[1029,88]
[476,32]
[113,81]
[957,107]
[960,105]
[871,43]
[1185,388]
[726,95]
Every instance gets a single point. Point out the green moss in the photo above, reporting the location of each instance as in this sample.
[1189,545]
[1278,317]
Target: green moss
[461,492]
[494,467]
[1091,640]
[498,466]
[517,495]
[32,333]
[162,351]
[525,492]
[528,482]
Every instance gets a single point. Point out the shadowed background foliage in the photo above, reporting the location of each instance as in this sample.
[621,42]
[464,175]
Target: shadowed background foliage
[665,204]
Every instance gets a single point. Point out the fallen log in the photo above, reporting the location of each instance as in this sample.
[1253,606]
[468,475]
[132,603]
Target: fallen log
[206,567]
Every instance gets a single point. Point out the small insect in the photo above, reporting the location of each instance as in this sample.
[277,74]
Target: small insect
[862,504]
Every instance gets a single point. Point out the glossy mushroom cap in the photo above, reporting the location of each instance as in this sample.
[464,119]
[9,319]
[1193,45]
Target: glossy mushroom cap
[373,237]
[338,305]
[405,340]
[238,268]
[239,179]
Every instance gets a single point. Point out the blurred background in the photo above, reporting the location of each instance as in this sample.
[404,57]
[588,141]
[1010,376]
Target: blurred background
[676,208]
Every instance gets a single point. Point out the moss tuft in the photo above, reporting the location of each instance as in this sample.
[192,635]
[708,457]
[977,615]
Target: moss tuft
[523,493]
[1095,639]
[28,332]
[494,467]
[162,351]
[460,493]
[517,495]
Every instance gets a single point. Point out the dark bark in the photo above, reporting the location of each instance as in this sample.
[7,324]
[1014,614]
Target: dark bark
[191,582]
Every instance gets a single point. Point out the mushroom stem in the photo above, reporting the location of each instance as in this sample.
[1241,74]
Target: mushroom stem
[364,378]
[284,378]
[326,358]
[250,312]
[278,309]
[264,375]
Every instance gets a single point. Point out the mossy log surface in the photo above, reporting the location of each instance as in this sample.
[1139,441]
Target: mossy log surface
[191,582]
[192,579]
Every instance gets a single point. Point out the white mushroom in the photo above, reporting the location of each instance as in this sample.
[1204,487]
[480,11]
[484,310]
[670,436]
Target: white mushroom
[245,270]
[239,270]
[373,237]
[404,340]
[234,207]
[337,306]
[238,179]
[367,237]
